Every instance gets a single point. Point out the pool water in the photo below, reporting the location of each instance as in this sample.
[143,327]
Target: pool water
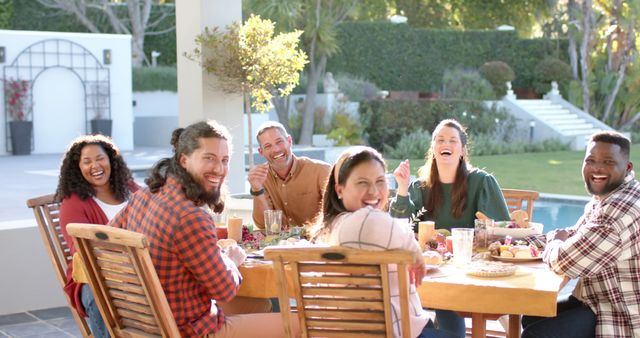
[555,214]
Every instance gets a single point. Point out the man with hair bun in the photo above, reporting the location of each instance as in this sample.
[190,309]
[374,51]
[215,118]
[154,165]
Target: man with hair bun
[200,281]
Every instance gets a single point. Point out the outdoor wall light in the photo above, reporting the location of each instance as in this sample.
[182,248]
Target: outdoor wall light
[106,56]
[532,127]
[1,54]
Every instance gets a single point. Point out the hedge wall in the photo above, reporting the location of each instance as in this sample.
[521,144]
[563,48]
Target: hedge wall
[398,57]
[30,15]
[148,79]
[386,121]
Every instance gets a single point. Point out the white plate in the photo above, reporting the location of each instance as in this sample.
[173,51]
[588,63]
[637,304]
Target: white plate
[535,229]
[513,259]
[490,269]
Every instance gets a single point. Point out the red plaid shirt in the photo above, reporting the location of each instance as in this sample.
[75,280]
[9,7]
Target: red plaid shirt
[182,244]
[603,250]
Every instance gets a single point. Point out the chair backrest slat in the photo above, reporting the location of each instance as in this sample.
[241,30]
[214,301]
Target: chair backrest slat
[341,292]
[516,199]
[47,213]
[126,286]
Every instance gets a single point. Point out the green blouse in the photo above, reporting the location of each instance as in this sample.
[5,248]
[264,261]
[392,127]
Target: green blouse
[483,194]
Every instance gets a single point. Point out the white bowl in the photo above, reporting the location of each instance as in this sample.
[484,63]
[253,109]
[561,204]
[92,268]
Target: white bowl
[535,229]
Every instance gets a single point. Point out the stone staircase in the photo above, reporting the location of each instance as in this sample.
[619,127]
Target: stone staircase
[568,123]
[553,118]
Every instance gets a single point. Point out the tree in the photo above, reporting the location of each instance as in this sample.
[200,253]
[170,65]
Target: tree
[249,59]
[318,19]
[587,23]
[137,20]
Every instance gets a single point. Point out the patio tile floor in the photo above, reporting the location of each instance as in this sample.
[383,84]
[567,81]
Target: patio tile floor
[50,323]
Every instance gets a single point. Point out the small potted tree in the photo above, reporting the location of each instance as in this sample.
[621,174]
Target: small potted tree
[100,123]
[18,108]
[249,59]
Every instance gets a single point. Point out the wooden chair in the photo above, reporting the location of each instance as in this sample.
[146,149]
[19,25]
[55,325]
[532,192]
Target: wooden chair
[126,287]
[341,292]
[47,213]
[516,198]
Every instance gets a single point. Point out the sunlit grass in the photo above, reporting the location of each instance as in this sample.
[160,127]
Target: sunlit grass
[550,172]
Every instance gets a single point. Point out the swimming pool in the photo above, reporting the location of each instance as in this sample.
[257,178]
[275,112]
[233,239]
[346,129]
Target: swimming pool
[557,213]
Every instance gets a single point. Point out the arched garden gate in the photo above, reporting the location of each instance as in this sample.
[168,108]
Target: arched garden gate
[65,54]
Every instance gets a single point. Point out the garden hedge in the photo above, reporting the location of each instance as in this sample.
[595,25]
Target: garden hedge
[398,57]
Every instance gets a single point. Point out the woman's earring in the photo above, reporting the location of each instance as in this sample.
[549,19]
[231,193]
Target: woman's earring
[339,197]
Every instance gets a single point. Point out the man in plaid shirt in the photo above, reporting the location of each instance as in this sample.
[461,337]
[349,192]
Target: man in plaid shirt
[195,275]
[602,250]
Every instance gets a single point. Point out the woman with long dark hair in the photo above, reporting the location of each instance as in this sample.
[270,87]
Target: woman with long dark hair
[448,191]
[94,185]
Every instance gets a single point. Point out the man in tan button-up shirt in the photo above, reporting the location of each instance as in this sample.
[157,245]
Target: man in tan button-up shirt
[292,184]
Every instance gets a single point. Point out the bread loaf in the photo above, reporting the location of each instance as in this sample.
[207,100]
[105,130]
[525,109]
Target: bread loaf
[432,258]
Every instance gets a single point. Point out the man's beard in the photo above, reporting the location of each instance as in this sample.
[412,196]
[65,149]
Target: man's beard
[611,186]
[209,197]
[195,192]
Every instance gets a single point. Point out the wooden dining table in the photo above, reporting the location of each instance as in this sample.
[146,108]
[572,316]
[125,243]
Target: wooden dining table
[532,290]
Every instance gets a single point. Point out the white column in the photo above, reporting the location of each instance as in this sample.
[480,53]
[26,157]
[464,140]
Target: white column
[198,99]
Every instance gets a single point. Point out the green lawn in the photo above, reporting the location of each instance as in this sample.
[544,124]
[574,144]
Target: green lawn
[553,172]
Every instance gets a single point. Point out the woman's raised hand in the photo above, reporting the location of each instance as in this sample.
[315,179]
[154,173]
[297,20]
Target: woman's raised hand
[402,175]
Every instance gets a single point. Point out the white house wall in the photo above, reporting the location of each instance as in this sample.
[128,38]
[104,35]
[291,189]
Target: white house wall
[58,95]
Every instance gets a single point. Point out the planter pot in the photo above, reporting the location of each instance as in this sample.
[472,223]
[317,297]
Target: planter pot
[21,137]
[101,126]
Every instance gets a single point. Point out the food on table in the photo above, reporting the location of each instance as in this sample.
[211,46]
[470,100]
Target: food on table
[520,249]
[482,216]
[443,232]
[432,257]
[225,243]
[521,218]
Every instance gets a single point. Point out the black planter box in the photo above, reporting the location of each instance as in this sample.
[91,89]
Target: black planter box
[101,126]
[21,137]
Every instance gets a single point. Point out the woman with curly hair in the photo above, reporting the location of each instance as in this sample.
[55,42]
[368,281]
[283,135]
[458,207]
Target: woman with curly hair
[94,185]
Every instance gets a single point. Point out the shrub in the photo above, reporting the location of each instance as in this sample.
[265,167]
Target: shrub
[148,79]
[344,130]
[413,145]
[466,84]
[355,88]
[497,73]
[551,69]
[488,144]
[319,124]
[635,137]
[386,121]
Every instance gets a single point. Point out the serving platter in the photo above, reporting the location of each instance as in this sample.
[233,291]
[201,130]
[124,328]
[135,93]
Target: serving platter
[490,269]
[516,260]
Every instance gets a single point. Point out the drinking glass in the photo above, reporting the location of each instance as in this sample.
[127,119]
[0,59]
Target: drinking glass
[234,228]
[426,232]
[462,245]
[273,221]
[480,236]
[220,221]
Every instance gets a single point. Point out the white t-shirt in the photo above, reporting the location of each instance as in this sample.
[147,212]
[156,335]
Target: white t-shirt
[373,229]
[111,210]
